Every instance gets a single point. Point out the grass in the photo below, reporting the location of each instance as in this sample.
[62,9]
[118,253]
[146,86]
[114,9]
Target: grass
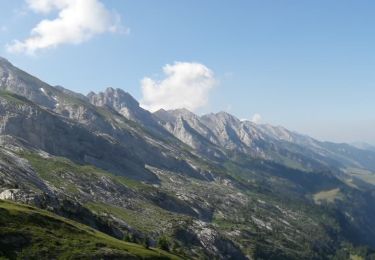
[28,232]
[328,196]
[63,174]
[369,178]
[364,175]
[147,218]
[14,98]
[55,170]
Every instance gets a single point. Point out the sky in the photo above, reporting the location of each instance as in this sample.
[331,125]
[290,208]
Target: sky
[305,65]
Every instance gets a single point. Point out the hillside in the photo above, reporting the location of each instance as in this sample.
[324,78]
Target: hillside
[28,232]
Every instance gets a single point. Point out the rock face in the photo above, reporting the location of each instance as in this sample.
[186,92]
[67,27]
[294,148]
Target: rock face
[212,134]
[48,131]
[114,98]
[190,129]
[221,129]
[17,81]
[215,186]
[8,194]
[15,170]
[127,106]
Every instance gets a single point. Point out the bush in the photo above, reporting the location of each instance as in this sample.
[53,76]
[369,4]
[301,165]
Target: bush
[163,243]
[146,242]
[129,238]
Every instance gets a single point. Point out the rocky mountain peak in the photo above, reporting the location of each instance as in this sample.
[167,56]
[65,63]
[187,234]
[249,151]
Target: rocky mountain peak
[183,113]
[164,115]
[222,118]
[172,115]
[114,98]
[127,106]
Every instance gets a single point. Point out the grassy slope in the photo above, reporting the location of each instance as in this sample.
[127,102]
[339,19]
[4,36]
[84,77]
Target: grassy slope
[329,196]
[145,217]
[362,174]
[27,231]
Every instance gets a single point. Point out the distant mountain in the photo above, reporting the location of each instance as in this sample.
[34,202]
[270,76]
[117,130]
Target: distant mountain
[208,186]
[364,146]
[224,131]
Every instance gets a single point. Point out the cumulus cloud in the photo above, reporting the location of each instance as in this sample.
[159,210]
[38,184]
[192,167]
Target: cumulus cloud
[77,21]
[256,118]
[186,85]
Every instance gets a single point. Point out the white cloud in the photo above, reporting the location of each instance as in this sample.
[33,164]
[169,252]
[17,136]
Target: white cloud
[186,85]
[77,21]
[256,118]
[46,6]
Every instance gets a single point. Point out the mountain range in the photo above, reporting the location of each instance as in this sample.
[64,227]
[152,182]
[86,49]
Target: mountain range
[209,186]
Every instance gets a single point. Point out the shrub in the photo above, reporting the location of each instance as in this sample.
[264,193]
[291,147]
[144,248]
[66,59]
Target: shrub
[163,243]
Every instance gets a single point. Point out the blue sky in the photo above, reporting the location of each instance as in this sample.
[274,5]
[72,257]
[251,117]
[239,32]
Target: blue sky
[306,65]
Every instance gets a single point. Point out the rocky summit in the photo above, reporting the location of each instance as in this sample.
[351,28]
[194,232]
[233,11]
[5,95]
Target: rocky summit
[121,181]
